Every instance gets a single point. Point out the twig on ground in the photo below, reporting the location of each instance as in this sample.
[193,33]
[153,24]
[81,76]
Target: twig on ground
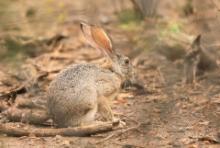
[26,103]
[41,75]
[118,133]
[13,93]
[210,139]
[135,121]
[26,115]
[39,68]
[129,145]
[49,132]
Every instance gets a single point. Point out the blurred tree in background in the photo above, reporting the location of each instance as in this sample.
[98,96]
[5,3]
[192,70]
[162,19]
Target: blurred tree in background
[144,21]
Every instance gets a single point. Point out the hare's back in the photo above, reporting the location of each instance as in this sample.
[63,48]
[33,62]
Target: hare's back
[69,84]
[75,75]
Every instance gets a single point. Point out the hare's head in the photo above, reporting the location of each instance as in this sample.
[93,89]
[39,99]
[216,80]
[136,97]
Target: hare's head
[192,57]
[196,44]
[99,39]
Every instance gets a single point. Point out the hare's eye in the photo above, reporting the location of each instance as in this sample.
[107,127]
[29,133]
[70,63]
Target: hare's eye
[126,61]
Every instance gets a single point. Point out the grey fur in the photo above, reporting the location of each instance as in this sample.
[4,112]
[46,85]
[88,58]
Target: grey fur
[80,91]
[77,93]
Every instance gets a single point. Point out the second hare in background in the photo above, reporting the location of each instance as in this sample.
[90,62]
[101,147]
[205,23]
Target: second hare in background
[197,61]
[82,90]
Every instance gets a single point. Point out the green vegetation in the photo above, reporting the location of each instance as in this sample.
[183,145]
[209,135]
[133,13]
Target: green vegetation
[129,19]
[170,28]
[31,12]
[15,52]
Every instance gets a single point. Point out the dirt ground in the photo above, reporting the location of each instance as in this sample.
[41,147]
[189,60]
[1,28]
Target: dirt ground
[165,113]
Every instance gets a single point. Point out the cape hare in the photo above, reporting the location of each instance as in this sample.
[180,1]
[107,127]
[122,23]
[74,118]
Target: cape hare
[197,61]
[82,90]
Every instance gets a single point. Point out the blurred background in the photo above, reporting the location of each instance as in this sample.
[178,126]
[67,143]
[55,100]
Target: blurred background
[135,24]
[39,38]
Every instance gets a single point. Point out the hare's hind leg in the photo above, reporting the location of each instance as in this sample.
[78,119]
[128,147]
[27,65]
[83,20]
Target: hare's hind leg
[83,119]
[86,118]
[89,117]
[85,108]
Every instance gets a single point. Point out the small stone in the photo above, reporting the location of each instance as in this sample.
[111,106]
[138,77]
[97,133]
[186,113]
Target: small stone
[66,144]
[58,138]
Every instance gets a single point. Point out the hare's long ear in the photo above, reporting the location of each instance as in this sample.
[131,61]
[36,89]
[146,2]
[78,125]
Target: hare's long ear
[197,41]
[97,38]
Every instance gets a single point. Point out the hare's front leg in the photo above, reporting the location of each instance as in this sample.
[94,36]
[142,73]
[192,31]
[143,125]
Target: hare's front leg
[106,111]
[104,108]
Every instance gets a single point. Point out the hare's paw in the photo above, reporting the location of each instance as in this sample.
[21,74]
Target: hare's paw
[121,123]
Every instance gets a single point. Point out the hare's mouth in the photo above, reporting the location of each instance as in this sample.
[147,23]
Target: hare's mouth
[126,84]
[130,85]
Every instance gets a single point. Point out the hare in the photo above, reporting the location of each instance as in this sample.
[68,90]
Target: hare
[81,90]
[197,61]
